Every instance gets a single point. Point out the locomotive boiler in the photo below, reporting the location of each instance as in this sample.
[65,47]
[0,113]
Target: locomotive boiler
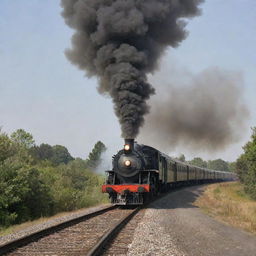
[140,172]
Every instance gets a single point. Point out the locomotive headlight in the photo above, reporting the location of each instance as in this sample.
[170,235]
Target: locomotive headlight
[127,163]
[127,147]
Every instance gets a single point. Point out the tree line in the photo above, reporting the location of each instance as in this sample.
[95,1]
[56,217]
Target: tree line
[217,164]
[42,180]
[244,166]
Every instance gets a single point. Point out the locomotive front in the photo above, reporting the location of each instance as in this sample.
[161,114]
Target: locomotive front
[128,162]
[129,180]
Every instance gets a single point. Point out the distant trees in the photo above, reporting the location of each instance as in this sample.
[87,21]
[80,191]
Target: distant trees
[42,152]
[232,166]
[218,164]
[55,154]
[246,166]
[60,155]
[198,161]
[182,158]
[42,180]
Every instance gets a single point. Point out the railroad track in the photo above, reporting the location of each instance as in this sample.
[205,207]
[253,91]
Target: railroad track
[85,235]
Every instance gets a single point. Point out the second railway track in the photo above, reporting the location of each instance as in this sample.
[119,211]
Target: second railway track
[86,235]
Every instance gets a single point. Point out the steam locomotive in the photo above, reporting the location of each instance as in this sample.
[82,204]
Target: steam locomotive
[140,172]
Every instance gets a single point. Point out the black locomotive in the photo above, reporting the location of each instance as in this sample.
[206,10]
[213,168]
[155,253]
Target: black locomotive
[140,172]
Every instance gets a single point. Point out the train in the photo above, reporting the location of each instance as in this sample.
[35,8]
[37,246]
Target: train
[140,172]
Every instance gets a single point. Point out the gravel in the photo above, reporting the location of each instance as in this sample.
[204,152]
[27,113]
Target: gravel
[53,221]
[174,226]
[151,239]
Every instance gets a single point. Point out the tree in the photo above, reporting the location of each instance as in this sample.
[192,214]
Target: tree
[94,158]
[60,155]
[41,180]
[23,194]
[198,161]
[218,164]
[9,194]
[246,166]
[182,158]
[232,166]
[37,199]
[6,147]
[42,152]
[23,138]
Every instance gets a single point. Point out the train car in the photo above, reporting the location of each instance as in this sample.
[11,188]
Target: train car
[140,172]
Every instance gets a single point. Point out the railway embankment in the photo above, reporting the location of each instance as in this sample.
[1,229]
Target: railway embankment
[227,202]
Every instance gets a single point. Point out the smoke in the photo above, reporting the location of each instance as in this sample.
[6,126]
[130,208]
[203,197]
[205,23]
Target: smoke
[120,42]
[201,112]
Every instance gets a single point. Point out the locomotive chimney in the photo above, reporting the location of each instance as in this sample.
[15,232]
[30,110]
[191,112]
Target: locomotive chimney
[128,145]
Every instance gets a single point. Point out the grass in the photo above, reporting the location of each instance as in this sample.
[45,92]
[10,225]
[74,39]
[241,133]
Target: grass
[22,226]
[228,202]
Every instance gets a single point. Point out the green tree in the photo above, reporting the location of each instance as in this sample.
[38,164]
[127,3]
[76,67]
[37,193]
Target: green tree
[42,152]
[24,195]
[41,180]
[246,165]
[182,158]
[60,155]
[23,138]
[94,158]
[6,147]
[198,161]
[232,166]
[9,194]
[37,200]
[218,164]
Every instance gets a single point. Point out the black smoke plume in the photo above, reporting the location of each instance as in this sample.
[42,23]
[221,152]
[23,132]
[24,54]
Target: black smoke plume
[120,42]
[203,112]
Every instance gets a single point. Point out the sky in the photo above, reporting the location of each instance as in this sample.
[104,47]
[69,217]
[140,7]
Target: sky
[43,93]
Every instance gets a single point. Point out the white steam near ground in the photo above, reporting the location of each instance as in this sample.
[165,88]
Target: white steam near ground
[106,161]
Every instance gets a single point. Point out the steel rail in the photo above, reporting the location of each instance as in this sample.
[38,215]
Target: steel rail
[111,234]
[19,242]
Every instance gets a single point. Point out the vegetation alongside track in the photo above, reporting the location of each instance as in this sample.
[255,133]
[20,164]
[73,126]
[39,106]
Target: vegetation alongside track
[42,180]
[229,203]
[246,166]
[37,181]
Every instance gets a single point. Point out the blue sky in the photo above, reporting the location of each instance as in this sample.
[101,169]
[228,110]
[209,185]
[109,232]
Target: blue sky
[41,92]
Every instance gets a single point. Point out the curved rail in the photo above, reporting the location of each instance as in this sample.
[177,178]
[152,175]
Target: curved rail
[98,248]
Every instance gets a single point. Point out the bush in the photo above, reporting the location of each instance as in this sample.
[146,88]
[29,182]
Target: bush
[246,166]
[42,180]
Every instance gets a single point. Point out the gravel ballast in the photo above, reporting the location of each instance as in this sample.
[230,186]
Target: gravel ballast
[52,222]
[173,226]
[151,239]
